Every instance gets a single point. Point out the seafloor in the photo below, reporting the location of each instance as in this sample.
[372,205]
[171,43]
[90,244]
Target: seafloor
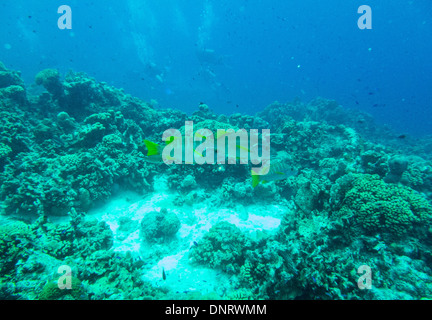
[77,190]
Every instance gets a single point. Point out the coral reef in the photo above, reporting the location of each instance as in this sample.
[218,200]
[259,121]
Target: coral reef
[222,247]
[382,207]
[50,80]
[51,291]
[359,196]
[159,226]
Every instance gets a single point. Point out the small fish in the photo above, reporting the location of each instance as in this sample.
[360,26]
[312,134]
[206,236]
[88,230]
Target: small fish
[402,136]
[163,274]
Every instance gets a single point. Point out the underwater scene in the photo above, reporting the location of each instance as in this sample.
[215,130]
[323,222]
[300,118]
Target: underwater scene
[215,150]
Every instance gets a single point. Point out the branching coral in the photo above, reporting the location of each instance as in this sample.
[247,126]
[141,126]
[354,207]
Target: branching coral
[222,247]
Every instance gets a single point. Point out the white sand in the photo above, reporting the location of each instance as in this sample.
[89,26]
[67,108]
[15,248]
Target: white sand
[181,276]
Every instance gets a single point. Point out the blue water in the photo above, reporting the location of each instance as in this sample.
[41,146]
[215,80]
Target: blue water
[237,56]
[82,179]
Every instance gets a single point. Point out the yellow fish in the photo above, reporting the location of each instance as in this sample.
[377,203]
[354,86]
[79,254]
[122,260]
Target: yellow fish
[277,171]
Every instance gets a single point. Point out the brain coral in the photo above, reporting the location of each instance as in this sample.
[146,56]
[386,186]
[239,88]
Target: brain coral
[382,207]
[158,226]
[51,291]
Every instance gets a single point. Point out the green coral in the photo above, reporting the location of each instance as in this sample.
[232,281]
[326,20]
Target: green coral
[65,239]
[91,135]
[11,85]
[65,121]
[51,291]
[9,78]
[382,207]
[15,240]
[113,144]
[222,247]
[4,150]
[14,92]
[104,118]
